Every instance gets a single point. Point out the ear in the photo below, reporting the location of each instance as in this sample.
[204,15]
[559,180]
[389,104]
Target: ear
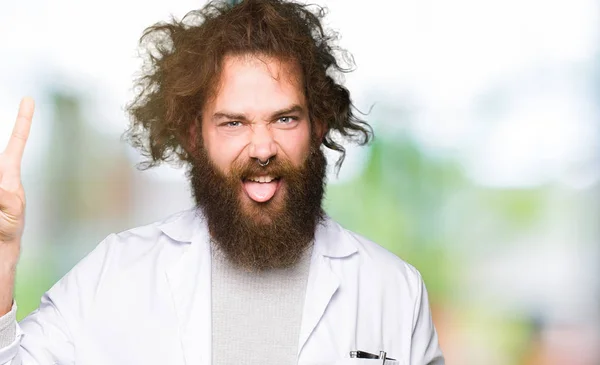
[320,130]
[191,138]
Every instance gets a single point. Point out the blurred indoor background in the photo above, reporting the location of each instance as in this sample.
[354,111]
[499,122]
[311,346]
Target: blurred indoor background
[484,174]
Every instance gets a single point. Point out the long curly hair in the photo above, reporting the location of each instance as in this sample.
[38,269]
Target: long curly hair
[183,60]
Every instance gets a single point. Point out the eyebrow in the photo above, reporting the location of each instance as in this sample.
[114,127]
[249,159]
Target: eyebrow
[237,116]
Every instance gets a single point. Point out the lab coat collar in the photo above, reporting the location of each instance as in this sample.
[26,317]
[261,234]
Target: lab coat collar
[331,240]
[182,226]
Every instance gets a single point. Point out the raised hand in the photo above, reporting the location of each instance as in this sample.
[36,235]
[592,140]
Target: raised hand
[12,203]
[12,195]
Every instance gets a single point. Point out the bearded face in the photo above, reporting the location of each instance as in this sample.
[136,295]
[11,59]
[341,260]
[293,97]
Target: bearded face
[258,172]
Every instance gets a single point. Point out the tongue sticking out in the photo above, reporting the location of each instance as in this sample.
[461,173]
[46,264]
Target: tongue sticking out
[260,192]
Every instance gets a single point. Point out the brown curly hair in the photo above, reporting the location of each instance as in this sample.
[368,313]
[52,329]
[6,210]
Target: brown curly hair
[182,62]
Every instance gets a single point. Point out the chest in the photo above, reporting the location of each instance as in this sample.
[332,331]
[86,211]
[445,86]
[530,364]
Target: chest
[150,325]
[256,313]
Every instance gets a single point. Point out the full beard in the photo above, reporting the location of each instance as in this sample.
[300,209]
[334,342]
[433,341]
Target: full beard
[259,236]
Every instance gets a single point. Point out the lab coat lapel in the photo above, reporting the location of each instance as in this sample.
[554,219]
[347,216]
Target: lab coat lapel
[323,282]
[189,282]
[322,285]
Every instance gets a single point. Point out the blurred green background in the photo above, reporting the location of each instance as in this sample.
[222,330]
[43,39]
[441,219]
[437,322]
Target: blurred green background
[484,173]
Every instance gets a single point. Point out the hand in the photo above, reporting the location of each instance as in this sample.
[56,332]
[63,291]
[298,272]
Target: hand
[12,195]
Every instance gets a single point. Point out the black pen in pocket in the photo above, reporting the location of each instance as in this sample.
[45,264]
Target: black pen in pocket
[367,355]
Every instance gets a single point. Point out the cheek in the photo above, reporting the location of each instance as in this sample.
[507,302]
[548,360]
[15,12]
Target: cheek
[222,150]
[295,144]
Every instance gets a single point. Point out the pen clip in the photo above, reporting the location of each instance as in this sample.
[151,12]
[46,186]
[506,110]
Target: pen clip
[383,357]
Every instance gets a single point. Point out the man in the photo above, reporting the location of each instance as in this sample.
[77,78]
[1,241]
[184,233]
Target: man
[256,273]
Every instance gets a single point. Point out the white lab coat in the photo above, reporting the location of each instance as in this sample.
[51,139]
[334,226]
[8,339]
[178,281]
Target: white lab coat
[143,297]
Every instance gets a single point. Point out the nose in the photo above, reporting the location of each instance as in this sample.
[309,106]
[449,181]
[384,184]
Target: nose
[262,146]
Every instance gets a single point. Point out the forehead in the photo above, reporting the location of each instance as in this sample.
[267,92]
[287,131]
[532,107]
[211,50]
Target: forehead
[255,84]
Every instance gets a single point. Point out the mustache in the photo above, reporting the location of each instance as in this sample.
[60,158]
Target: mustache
[277,167]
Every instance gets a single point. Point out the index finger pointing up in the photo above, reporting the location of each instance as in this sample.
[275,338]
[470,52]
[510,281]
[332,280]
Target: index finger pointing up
[20,133]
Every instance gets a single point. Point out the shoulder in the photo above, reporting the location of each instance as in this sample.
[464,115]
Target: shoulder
[175,230]
[151,243]
[378,262]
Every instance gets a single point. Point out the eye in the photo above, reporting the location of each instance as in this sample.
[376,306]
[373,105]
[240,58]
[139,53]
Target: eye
[233,124]
[286,120]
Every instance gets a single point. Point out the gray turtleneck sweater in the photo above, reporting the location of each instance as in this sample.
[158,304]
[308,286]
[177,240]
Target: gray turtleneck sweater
[256,316]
